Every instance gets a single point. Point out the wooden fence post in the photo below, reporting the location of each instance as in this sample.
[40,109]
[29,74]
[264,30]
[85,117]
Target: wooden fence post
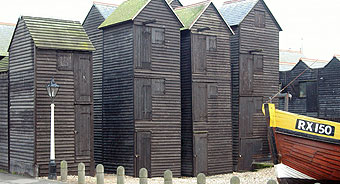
[167,177]
[271,182]
[81,173]
[100,174]
[235,180]
[63,170]
[120,175]
[143,176]
[201,178]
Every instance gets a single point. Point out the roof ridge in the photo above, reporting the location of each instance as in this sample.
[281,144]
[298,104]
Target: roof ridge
[7,24]
[193,5]
[104,3]
[310,59]
[49,18]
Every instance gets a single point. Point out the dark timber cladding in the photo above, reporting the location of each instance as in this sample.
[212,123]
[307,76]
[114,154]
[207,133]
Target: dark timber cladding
[304,89]
[6,31]
[40,49]
[97,14]
[255,76]
[141,88]
[174,3]
[329,90]
[206,90]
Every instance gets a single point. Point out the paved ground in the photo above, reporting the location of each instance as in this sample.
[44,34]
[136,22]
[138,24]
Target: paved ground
[15,179]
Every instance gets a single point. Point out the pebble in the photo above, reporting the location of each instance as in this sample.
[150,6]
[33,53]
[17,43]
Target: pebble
[259,177]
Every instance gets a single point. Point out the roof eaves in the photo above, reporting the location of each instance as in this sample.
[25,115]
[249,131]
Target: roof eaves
[173,12]
[270,13]
[225,21]
[201,13]
[140,10]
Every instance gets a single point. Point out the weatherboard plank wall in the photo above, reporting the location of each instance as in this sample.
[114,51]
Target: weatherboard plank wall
[21,76]
[91,23]
[247,118]
[4,117]
[197,87]
[129,85]
[34,60]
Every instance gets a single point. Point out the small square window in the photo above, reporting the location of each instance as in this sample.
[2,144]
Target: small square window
[64,62]
[211,43]
[303,89]
[158,36]
[213,90]
[158,86]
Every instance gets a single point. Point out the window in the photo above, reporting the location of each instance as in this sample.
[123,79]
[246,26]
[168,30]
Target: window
[211,43]
[158,86]
[213,90]
[64,62]
[143,99]
[158,36]
[260,18]
[303,89]
[258,63]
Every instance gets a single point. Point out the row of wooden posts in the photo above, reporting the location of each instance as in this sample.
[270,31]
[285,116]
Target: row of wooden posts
[143,175]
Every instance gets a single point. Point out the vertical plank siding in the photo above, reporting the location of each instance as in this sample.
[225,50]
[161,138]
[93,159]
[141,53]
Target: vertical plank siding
[329,91]
[91,24]
[22,92]
[218,71]
[186,102]
[166,108]
[118,117]
[4,120]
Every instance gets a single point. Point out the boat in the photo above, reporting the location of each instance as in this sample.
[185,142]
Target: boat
[304,150]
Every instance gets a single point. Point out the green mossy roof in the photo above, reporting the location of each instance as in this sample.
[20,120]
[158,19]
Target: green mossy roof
[126,11]
[6,32]
[58,34]
[4,64]
[189,14]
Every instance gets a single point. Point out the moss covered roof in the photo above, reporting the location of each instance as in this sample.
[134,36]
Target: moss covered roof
[6,32]
[57,34]
[4,64]
[125,12]
[189,14]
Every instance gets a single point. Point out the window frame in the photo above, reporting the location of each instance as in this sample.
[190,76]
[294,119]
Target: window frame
[154,37]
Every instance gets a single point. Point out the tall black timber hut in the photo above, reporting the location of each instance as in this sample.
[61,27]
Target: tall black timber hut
[304,90]
[174,3]
[6,31]
[329,90]
[40,49]
[255,76]
[141,88]
[206,90]
[97,14]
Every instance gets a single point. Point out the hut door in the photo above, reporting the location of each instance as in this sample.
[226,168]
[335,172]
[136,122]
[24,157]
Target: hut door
[143,151]
[249,145]
[199,92]
[199,44]
[143,47]
[83,130]
[246,74]
[83,78]
[200,153]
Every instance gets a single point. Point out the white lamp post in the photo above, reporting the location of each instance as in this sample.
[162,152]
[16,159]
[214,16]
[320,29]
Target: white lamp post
[52,89]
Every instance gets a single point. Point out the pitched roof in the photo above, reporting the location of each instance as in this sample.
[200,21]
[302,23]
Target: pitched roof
[170,1]
[105,9]
[337,56]
[127,11]
[234,11]
[57,34]
[191,13]
[288,59]
[314,63]
[6,32]
[4,64]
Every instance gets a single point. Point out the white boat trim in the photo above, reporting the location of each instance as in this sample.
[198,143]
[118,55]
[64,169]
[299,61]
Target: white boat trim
[284,171]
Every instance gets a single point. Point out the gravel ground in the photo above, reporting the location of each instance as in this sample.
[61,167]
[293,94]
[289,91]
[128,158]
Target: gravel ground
[259,177]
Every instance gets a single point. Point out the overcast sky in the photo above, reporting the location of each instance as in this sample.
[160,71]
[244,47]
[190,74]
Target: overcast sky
[312,25]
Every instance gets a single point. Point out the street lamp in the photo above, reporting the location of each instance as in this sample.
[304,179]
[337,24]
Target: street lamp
[52,89]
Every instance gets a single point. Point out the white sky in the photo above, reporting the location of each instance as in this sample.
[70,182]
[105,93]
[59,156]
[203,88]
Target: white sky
[310,24]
